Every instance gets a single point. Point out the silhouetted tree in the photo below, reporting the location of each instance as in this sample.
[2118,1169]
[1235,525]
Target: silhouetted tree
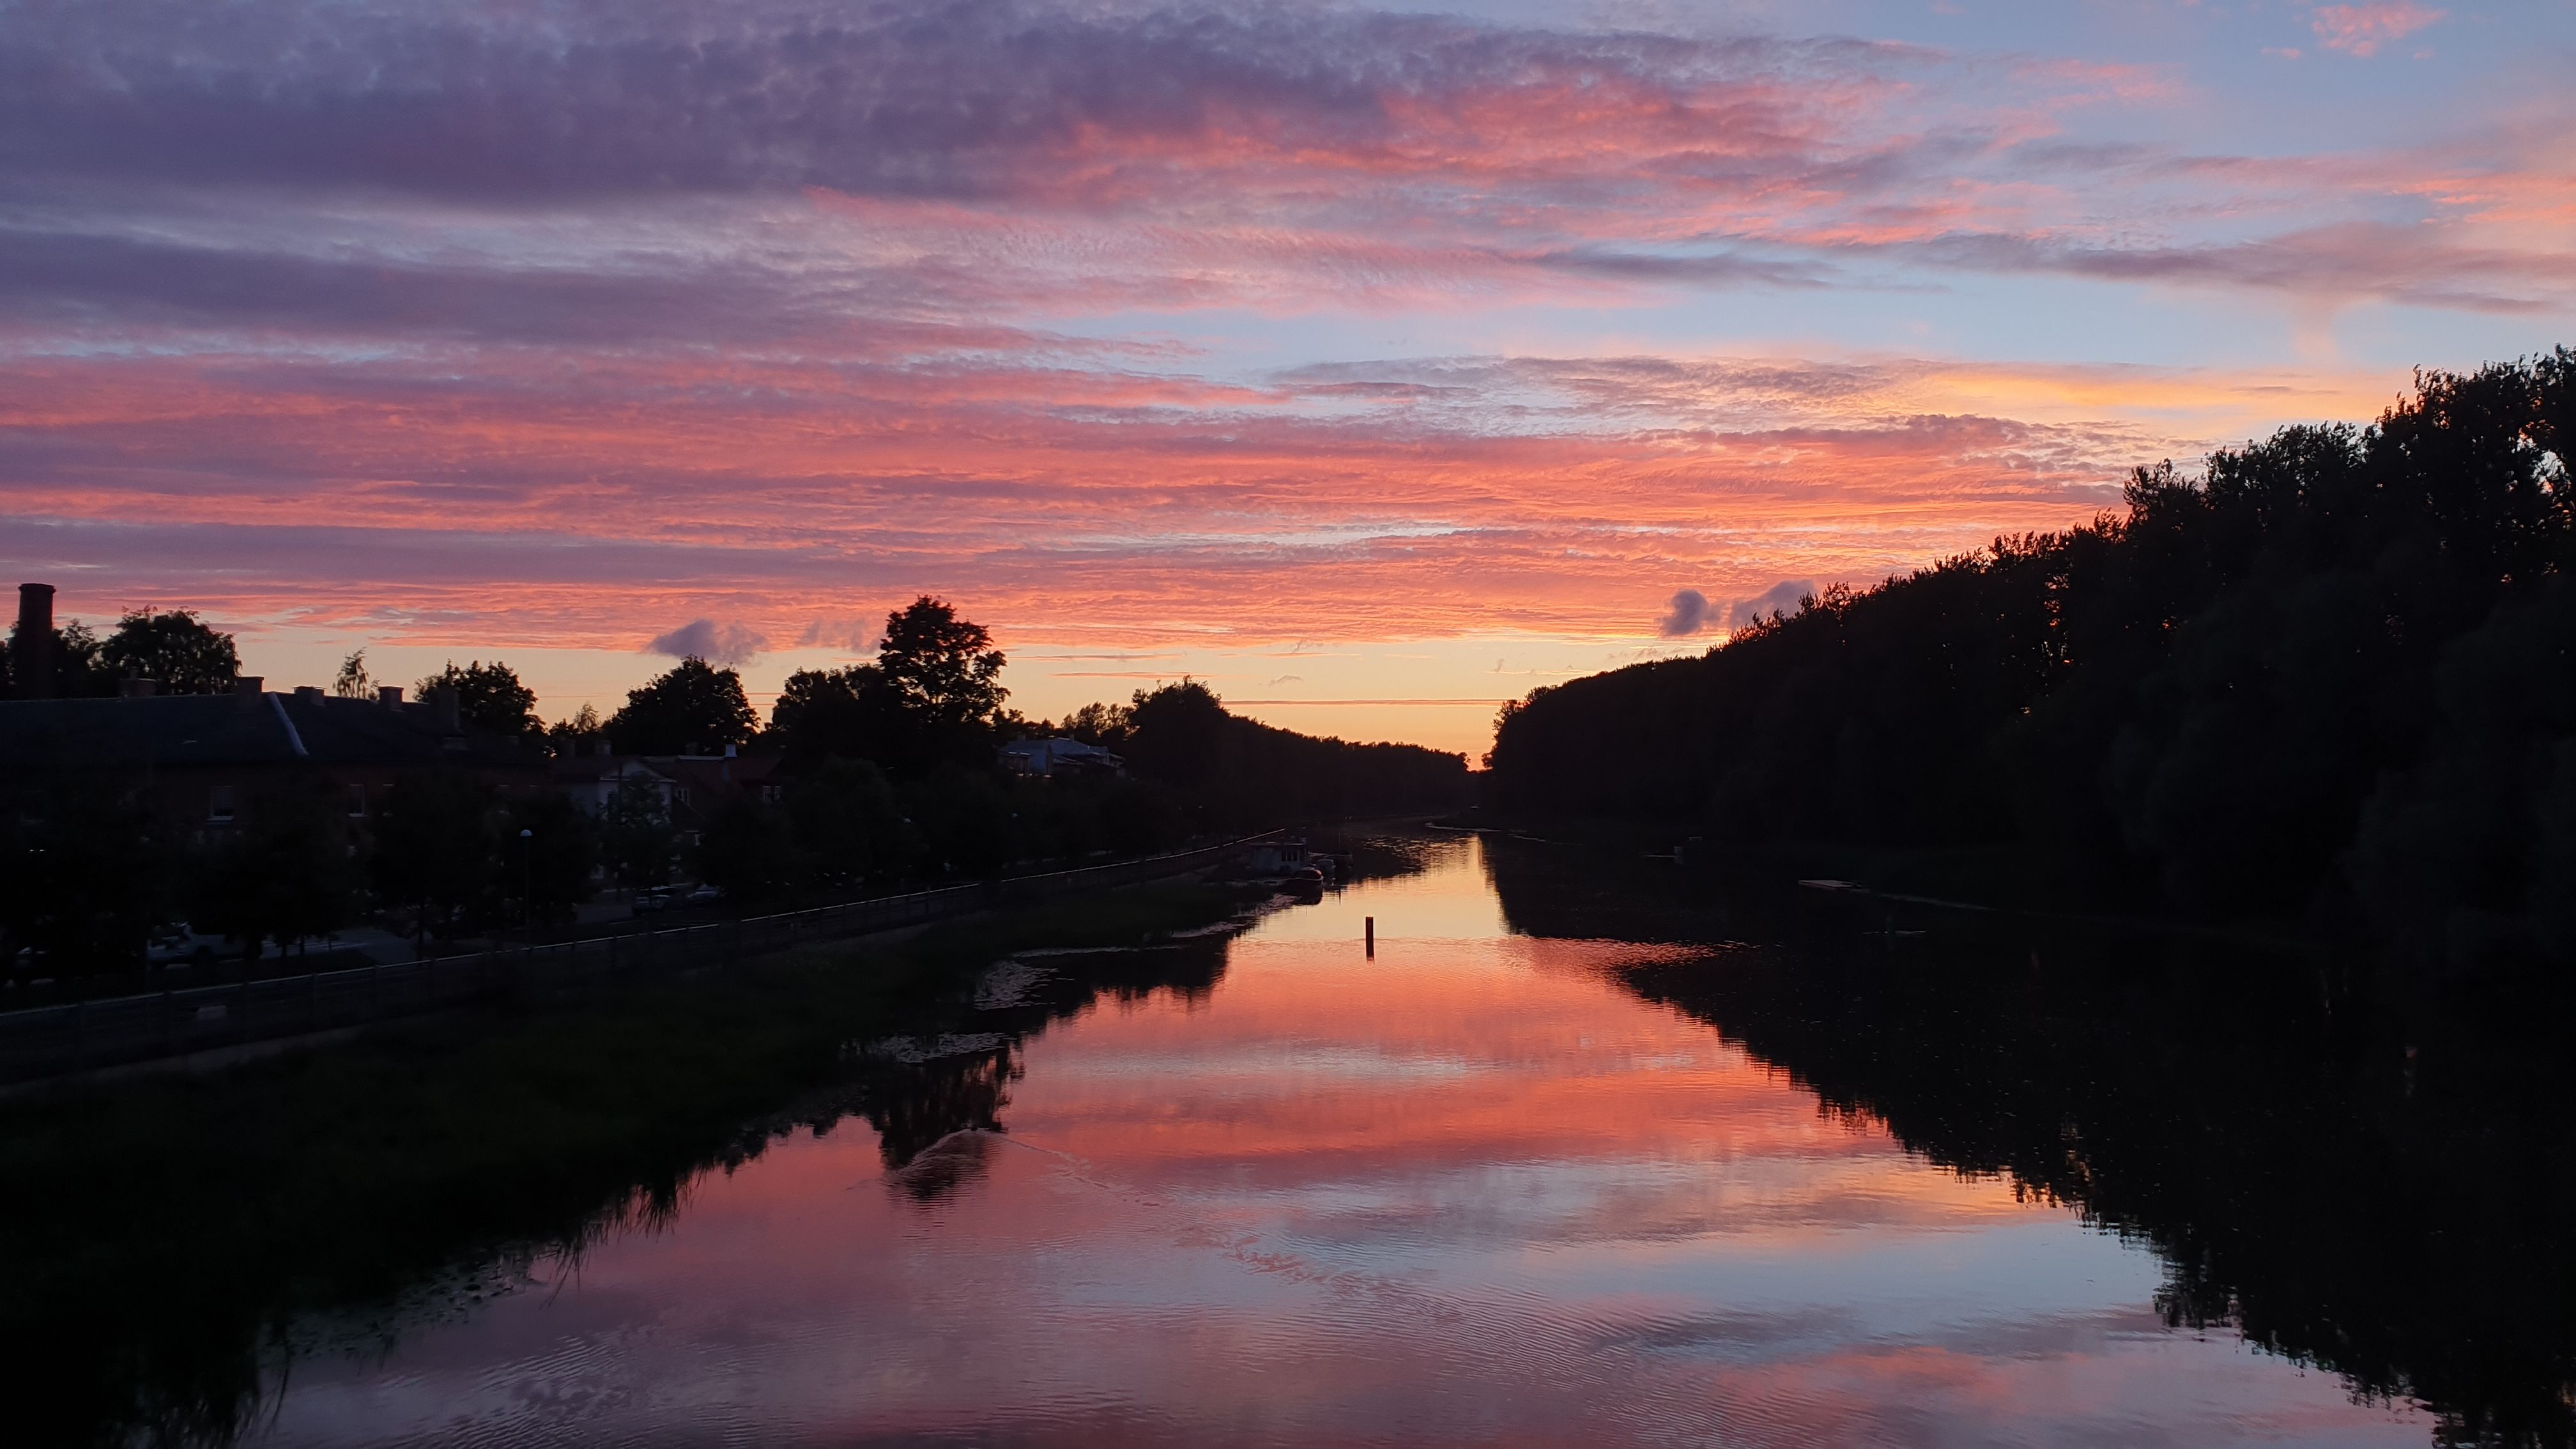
[77,672]
[175,649]
[2328,676]
[848,823]
[748,851]
[635,836]
[288,873]
[933,696]
[488,697]
[966,823]
[850,713]
[353,681]
[691,708]
[945,675]
[1237,773]
[435,851]
[548,847]
[576,734]
[1099,724]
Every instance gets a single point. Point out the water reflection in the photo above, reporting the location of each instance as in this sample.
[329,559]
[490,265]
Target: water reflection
[925,1093]
[2380,1189]
[1488,1187]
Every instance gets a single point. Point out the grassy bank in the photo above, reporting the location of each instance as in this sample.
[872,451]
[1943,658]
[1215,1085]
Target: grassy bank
[158,1235]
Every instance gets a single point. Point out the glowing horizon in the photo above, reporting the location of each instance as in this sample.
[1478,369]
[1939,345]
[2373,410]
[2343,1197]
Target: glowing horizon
[1374,367]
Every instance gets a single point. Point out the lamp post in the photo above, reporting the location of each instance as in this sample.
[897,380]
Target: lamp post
[527,879]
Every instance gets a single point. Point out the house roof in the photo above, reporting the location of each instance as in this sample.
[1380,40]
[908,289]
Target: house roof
[1060,748]
[716,769]
[605,769]
[241,729]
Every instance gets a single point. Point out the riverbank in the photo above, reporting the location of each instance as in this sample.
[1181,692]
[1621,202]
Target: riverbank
[186,1220]
[1892,881]
[232,1021]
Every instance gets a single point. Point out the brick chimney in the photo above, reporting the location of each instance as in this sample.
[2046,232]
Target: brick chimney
[31,648]
[249,686]
[443,707]
[388,694]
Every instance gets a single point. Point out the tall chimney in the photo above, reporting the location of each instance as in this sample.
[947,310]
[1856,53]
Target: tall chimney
[443,707]
[31,649]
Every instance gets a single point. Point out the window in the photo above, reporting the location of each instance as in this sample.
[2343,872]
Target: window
[357,800]
[219,805]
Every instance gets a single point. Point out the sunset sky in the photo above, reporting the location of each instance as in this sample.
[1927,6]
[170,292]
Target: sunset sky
[1373,365]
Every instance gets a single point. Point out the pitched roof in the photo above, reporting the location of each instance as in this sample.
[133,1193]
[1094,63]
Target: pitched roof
[187,729]
[239,729]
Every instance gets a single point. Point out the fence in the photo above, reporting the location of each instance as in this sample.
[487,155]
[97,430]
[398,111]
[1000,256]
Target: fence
[52,1040]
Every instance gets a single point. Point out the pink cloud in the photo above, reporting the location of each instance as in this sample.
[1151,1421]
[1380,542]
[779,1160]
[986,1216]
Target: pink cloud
[2362,29]
[531,503]
[587,324]
[812,171]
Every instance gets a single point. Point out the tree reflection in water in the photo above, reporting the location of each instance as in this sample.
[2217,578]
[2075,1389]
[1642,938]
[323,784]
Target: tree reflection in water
[2383,1189]
[931,1094]
[183,1332]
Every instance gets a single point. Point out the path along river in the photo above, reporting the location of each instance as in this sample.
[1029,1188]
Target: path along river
[1478,1189]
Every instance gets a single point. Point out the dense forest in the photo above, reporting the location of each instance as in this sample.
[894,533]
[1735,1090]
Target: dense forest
[2329,677]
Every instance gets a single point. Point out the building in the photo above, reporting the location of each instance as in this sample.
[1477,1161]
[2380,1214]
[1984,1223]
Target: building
[1058,757]
[593,781]
[689,789]
[201,762]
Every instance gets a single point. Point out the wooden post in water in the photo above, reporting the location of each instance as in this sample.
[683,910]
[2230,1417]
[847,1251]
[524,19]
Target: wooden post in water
[1368,933]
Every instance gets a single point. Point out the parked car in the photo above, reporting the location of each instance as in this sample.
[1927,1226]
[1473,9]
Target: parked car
[657,898]
[705,895]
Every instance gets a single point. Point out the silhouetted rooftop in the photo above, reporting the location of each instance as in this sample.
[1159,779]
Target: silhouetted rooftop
[241,729]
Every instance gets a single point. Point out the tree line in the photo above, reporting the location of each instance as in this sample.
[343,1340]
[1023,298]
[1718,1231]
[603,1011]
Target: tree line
[2332,677]
[174,649]
[885,777]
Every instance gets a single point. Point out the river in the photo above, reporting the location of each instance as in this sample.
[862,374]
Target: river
[1490,1186]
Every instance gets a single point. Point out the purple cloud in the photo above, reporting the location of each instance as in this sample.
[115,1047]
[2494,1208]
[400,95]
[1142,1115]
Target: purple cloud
[1787,597]
[1688,611]
[724,645]
[955,98]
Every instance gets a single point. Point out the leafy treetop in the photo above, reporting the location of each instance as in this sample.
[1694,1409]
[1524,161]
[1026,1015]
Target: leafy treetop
[933,696]
[177,650]
[692,707]
[353,681]
[944,670]
[488,697]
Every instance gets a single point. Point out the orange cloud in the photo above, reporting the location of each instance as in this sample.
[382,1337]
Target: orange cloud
[529,504]
[432,323]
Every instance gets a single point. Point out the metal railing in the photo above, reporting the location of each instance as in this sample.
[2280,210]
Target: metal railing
[45,1041]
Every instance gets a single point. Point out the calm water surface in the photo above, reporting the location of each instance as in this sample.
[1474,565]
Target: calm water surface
[1475,1190]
